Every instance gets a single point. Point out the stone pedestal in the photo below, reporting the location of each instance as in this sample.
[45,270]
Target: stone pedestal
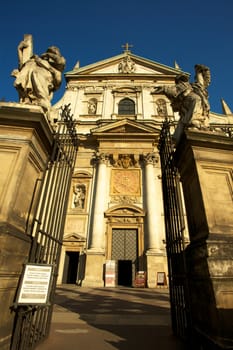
[94,272]
[25,142]
[205,163]
[155,264]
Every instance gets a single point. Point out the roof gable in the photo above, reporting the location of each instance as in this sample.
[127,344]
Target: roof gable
[125,63]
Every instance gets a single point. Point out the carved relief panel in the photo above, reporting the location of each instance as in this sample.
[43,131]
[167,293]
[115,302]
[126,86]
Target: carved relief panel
[126,182]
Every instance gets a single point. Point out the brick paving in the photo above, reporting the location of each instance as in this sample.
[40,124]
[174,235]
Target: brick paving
[111,318]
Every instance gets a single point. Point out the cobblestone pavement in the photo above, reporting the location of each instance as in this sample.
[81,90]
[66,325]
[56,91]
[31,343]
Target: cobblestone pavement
[111,318]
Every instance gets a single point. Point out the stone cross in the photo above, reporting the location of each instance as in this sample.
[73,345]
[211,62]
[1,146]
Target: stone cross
[126,47]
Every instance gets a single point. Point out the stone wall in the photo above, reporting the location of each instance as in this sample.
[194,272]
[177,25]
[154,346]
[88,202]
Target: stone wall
[205,163]
[25,143]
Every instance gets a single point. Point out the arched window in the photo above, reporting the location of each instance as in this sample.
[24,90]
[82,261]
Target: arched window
[126,107]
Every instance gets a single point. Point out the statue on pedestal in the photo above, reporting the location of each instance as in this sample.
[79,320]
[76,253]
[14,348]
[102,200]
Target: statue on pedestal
[37,77]
[190,99]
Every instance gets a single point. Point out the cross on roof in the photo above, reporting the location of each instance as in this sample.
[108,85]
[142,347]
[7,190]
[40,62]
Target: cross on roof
[126,47]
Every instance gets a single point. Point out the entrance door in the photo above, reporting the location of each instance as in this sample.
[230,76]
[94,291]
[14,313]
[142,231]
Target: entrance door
[70,267]
[125,273]
[125,252]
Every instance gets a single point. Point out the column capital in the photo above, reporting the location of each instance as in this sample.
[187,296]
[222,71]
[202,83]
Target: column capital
[151,158]
[102,158]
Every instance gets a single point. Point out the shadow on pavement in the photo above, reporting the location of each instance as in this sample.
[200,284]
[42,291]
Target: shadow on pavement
[111,318]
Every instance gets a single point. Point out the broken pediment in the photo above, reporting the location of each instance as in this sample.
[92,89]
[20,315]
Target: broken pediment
[125,63]
[129,210]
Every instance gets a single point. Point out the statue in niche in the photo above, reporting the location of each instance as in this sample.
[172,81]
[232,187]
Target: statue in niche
[190,99]
[37,77]
[92,106]
[79,196]
[126,65]
[161,107]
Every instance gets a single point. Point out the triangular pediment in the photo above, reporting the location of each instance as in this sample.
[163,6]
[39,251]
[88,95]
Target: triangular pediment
[116,65]
[74,237]
[125,126]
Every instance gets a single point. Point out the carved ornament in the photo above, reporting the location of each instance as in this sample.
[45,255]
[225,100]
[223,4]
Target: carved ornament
[127,65]
[126,182]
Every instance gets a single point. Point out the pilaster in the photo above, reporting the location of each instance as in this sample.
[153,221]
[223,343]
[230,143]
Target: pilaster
[95,257]
[154,224]
[153,210]
[97,242]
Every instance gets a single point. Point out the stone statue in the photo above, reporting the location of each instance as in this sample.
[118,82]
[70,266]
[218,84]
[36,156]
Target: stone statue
[126,65]
[37,77]
[190,99]
[79,196]
[92,106]
[161,107]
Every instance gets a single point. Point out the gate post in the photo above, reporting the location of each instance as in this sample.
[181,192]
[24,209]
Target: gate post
[205,163]
[25,143]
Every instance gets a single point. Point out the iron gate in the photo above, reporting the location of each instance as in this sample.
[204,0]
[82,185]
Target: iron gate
[175,240]
[32,322]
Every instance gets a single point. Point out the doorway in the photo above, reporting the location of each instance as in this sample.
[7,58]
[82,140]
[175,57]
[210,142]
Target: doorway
[70,267]
[125,252]
[125,273]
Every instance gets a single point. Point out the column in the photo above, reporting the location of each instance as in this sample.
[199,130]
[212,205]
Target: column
[153,202]
[98,228]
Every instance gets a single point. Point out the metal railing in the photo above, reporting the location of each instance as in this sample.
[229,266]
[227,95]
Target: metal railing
[32,323]
[175,238]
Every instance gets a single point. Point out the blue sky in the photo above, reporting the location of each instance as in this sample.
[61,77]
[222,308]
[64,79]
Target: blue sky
[164,31]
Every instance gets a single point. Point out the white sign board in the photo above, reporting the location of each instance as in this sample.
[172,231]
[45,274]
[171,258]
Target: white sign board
[110,273]
[35,284]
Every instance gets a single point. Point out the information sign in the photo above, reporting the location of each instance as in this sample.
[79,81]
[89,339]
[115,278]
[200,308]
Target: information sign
[110,273]
[140,280]
[35,285]
[161,279]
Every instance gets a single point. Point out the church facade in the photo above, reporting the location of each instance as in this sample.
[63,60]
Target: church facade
[115,226]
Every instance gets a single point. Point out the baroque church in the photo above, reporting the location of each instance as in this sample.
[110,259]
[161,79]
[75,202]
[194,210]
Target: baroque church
[125,181]
[115,225]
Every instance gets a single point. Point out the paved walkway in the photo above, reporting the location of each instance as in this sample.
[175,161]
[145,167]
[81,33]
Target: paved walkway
[111,318]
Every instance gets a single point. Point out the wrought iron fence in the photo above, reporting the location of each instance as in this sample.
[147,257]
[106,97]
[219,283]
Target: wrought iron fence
[175,238]
[32,323]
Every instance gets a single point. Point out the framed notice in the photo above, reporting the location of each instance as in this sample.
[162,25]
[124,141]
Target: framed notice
[140,279]
[35,285]
[110,273]
[161,279]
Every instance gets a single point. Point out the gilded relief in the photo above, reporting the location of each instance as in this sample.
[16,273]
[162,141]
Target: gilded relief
[125,182]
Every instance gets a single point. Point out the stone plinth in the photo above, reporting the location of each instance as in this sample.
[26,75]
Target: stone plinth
[25,143]
[155,265]
[94,271]
[205,163]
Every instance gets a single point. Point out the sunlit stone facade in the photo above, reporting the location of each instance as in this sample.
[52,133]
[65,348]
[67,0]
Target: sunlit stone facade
[115,211]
